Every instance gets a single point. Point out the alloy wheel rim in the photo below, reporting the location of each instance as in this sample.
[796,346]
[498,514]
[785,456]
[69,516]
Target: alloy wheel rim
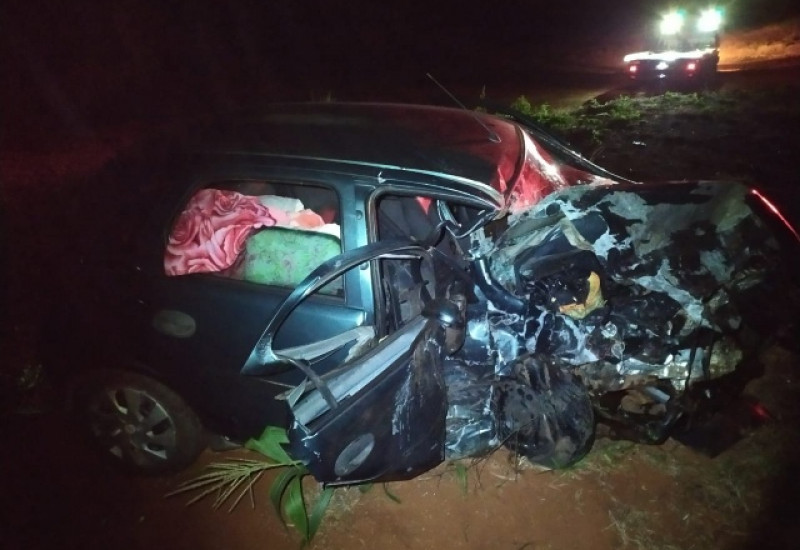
[133,426]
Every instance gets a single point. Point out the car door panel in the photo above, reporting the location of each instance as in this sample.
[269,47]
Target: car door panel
[229,317]
[388,421]
[380,414]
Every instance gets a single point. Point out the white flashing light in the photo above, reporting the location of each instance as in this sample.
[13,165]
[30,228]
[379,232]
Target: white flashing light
[710,20]
[671,23]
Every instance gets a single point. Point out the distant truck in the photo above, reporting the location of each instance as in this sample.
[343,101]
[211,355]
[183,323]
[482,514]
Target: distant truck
[685,48]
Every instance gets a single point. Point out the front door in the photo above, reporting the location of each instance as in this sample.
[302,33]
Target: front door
[380,415]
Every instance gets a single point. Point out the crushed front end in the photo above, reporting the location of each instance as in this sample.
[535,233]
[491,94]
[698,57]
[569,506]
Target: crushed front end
[641,293]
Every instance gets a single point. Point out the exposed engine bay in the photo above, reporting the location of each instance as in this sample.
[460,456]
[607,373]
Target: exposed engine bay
[633,290]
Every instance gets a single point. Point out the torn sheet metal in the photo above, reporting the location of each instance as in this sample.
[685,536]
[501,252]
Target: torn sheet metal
[601,300]
[631,288]
[471,427]
[666,259]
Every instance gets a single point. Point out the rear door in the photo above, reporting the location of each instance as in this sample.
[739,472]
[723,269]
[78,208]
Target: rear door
[232,251]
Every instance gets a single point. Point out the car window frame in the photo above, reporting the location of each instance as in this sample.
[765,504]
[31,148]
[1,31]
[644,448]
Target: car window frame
[253,174]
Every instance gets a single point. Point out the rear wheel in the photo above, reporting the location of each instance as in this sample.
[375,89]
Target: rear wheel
[139,422]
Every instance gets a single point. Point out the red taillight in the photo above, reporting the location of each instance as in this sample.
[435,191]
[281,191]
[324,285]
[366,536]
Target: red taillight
[633,68]
[691,66]
[774,209]
[759,412]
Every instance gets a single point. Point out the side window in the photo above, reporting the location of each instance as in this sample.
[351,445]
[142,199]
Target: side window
[262,232]
[405,216]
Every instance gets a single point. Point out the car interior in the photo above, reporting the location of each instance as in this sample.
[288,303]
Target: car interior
[302,233]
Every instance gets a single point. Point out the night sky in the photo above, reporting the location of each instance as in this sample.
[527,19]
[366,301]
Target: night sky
[86,63]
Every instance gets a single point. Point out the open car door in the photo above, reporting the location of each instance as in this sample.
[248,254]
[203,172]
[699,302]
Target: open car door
[381,414]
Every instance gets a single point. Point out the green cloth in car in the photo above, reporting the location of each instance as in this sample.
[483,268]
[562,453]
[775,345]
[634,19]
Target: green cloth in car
[281,256]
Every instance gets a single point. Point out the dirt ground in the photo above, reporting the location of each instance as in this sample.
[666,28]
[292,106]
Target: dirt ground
[57,494]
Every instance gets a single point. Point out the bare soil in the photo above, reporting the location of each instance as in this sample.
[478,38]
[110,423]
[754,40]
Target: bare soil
[57,494]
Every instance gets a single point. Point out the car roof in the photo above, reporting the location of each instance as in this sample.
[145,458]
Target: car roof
[455,144]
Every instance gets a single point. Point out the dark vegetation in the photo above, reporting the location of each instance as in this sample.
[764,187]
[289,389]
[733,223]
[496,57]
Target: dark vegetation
[737,135]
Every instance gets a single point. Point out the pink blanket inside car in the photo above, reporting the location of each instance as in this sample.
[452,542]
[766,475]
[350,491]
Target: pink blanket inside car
[210,233]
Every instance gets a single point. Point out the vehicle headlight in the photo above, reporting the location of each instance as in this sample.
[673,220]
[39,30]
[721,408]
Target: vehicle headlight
[671,23]
[710,20]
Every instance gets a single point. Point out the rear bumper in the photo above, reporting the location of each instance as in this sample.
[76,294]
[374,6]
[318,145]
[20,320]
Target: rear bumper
[655,68]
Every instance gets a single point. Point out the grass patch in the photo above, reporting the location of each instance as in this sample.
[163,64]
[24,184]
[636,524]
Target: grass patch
[717,502]
[735,484]
[595,120]
[745,135]
[634,527]
[606,456]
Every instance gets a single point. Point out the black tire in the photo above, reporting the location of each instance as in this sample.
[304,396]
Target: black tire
[138,422]
[544,413]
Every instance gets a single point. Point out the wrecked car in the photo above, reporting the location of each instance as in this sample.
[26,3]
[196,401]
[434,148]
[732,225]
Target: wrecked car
[400,285]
